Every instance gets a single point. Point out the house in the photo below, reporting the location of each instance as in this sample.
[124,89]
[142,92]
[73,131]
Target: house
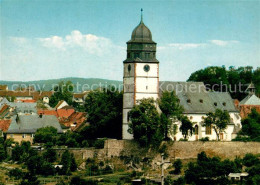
[80,97]
[23,127]
[238,176]
[251,101]
[61,104]
[3,87]
[197,102]
[27,95]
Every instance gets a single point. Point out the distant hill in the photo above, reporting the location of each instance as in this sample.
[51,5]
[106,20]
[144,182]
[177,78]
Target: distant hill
[80,84]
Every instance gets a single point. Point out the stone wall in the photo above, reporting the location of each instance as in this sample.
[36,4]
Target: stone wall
[178,149]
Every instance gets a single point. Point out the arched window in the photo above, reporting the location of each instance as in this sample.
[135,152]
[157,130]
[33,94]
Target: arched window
[196,130]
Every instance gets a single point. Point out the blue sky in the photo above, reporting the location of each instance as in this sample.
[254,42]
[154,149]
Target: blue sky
[48,39]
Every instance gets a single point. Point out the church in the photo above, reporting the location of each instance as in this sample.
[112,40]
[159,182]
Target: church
[141,80]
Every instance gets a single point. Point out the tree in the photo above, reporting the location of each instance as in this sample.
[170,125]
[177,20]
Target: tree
[145,123]
[171,110]
[64,91]
[69,163]
[177,166]
[251,126]
[104,108]
[220,79]
[50,155]
[186,126]
[46,134]
[218,120]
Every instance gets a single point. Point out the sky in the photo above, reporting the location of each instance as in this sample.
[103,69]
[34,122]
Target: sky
[49,39]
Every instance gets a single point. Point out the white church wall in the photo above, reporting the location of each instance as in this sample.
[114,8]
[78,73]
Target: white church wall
[153,72]
[198,120]
[147,85]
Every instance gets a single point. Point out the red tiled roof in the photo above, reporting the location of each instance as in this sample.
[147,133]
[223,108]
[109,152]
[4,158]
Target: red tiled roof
[65,113]
[4,107]
[48,112]
[28,101]
[4,125]
[34,94]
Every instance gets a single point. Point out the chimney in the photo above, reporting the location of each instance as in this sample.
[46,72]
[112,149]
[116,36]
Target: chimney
[40,116]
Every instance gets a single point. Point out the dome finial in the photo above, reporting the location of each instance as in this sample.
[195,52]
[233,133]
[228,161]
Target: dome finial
[141,15]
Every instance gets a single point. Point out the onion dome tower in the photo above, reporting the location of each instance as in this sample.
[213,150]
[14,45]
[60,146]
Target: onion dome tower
[141,72]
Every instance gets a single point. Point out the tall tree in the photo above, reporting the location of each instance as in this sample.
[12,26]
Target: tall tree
[145,123]
[251,126]
[104,108]
[186,127]
[63,91]
[233,80]
[217,120]
[171,110]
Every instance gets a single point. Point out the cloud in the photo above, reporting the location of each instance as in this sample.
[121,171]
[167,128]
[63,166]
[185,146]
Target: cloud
[223,43]
[91,43]
[183,46]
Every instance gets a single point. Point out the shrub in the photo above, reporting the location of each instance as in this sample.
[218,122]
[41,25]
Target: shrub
[16,173]
[177,166]
[99,143]
[204,139]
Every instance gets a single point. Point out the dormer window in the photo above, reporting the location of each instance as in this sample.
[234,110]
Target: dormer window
[188,101]
[216,104]
[201,100]
[224,104]
[136,55]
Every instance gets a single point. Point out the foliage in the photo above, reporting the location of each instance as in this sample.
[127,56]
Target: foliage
[171,110]
[145,123]
[68,162]
[177,166]
[250,127]
[50,155]
[30,179]
[210,170]
[21,152]
[99,143]
[92,167]
[186,127]
[204,139]
[46,134]
[218,120]
[16,173]
[249,160]
[220,79]
[104,108]
[64,91]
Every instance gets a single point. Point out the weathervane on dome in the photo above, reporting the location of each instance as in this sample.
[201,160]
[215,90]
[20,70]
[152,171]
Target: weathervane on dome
[141,15]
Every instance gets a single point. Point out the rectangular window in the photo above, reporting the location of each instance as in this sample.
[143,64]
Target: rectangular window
[24,135]
[147,55]
[12,136]
[208,130]
[32,135]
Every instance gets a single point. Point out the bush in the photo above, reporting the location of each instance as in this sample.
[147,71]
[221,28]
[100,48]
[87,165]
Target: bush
[181,139]
[177,166]
[16,173]
[250,160]
[204,139]
[99,144]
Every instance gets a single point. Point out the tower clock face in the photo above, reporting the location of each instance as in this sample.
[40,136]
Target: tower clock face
[146,68]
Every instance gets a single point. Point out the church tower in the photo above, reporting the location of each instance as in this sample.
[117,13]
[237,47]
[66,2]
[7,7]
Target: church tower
[141,72]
